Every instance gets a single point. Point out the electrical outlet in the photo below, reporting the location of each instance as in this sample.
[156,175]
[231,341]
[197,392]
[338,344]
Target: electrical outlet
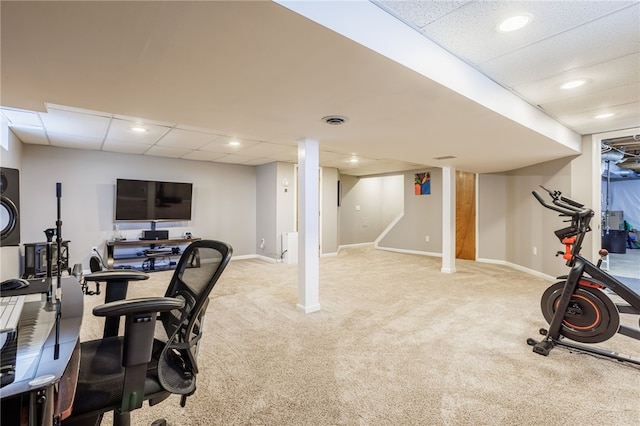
[262,244]
[426,238]
[94,249]
[535,251]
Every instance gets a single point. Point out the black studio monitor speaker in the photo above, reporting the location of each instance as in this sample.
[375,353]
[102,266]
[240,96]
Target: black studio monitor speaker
[10,207]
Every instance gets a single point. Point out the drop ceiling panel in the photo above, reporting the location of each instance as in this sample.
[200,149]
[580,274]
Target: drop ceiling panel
[569,50]
[419,12]
[122,131]
[263,149]
[33,135]
[623,71]
[626,117]
[258,161]
[186,139]
[595,102]
[235,158]
[222,145]
[125,147]
[75,123]
[286,156]
[203,155]
[167,151]
[73,141]
[470,31]
[21,118]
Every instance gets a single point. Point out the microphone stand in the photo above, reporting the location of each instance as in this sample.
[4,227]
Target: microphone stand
[56,350]
[50,232]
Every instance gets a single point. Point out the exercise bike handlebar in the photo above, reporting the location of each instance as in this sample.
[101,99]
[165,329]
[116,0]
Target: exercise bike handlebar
[563,205]
[559,209]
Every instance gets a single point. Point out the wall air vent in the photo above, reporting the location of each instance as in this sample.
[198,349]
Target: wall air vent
[446,157]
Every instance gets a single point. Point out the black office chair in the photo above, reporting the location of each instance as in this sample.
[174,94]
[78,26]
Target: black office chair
[119,373]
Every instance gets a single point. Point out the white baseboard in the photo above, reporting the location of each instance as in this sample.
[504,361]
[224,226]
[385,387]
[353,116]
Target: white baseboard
[344,246]
[518,267]
[420,253]
[308,309]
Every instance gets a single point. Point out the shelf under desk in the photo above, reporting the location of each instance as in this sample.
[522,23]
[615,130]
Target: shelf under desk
[113,246]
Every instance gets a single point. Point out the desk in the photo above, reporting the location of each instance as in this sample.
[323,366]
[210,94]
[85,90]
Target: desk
[37,372]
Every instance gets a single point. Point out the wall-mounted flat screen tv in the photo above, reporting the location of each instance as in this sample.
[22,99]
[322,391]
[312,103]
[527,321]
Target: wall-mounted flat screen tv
[153,200]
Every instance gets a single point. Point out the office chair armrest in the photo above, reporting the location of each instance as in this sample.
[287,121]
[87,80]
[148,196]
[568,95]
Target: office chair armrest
[143,305]
[139,326]
[121,275]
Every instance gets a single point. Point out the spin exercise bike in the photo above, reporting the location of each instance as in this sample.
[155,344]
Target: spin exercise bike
[578,308]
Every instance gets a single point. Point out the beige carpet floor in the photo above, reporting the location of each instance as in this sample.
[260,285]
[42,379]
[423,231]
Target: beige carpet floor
[396,342]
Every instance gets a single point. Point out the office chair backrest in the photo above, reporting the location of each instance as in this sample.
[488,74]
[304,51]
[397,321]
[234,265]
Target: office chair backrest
[177,365]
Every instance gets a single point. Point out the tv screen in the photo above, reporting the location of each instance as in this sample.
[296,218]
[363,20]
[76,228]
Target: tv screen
[152,200]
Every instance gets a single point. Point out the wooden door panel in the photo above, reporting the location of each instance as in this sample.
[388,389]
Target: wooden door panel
[465,215]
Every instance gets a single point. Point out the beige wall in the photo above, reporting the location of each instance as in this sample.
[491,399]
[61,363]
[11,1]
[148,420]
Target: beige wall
[224,197]
[422,217]
[492,208]
[228,197]
[368,205]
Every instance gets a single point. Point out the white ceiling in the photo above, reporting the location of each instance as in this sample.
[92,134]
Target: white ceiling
[198,75]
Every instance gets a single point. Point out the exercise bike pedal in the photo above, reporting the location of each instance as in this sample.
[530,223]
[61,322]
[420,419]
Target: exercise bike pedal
[543,347]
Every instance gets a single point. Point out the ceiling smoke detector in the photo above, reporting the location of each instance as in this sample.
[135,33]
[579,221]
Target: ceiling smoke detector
[335,120]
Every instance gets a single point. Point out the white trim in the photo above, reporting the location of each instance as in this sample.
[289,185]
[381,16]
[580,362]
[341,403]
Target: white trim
[388,228]
[519,268]
[477,214]
[353,245]
[420,253]
[448,219]
[258,256]
[308,309]
[308,224]
[596,189]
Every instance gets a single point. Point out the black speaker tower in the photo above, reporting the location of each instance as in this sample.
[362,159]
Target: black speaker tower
[10,205]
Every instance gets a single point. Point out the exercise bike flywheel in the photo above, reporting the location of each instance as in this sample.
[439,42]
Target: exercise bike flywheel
[590,318]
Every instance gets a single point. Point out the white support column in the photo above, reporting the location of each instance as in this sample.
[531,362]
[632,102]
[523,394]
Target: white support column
[448,220]
[308,254]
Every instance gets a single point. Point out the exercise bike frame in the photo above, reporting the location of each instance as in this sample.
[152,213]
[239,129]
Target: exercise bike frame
[581,268]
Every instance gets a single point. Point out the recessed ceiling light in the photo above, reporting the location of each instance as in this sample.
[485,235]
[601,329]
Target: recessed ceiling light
[139,129]
[514,23]
[605,115]
[353,160]
[573,84]
[234,143]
